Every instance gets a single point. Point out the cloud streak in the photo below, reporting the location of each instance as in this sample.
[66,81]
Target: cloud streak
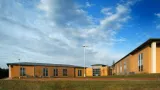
[54,31]
[158,16]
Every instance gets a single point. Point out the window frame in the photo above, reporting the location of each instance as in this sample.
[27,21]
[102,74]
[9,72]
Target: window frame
[22,71]
[55,72]
[45,72]
[65,72]
[125,66]
[140,62]
[97,72]
[79,72]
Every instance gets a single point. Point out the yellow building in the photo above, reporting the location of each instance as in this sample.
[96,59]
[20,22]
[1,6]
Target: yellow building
[97,70]
[29,69]
[143,59]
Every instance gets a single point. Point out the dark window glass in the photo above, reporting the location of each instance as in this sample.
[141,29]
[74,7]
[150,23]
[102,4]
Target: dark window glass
[55,72]
[79,72]
[64,72]
[45,71]
[141,67]
[96,72]
[22,71]
[140,62]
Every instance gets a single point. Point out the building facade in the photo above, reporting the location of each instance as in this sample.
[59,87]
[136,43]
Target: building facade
[143,59]
[28,69]
[97,70]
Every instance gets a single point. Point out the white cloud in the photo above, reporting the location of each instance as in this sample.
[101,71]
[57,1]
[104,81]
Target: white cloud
[89,4]
[158,26]
[158,15]
[115,20]
[106,11]
[56,31]
[64,13]
[158,23]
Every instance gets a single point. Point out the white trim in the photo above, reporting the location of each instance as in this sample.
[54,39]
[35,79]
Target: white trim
[10,76]
[153,57]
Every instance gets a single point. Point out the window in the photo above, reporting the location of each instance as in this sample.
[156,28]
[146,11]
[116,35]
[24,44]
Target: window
[140,62]
[55,72]
[96,72]
[120,67]
[79,72]
[64,72]
[45,72]
[22,71]
[125,67]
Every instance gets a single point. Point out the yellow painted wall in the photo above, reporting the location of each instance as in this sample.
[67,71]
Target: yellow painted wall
[71,72]
[76,72]
[29,70]
[89,72]
[104,71]
[158,58]
[132,62]
[15,71]
[146,61]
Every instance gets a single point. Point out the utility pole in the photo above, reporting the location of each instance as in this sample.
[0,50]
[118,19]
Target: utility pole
[19,69]
[84,47]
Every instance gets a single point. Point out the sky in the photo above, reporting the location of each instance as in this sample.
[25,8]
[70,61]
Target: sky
[54,31]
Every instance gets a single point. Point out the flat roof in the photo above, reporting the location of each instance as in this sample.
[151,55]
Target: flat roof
[148,42]
[42,64]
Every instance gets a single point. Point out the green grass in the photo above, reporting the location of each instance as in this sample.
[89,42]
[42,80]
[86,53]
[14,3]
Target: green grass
[157,75]
[78,85]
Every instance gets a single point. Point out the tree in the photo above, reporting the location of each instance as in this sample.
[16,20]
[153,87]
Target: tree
[113,63]
[3,73]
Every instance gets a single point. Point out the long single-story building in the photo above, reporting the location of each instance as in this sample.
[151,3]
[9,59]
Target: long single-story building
[143,59]
[29,69]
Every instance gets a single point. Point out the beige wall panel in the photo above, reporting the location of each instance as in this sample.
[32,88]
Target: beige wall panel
[158,59]
[104,71]
[76,72]
[89,72]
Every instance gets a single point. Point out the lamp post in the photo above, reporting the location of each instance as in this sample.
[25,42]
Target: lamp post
[19,69]
[84,47]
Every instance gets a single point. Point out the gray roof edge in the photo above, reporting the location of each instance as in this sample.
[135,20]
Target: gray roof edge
[42,64]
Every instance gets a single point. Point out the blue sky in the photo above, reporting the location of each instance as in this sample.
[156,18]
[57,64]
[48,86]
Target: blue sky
[54,31]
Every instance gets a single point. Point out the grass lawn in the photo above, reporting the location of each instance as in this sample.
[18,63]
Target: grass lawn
[78,85]
[157,75]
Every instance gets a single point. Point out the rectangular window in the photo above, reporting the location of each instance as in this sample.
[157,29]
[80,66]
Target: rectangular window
[79,72]
[22,71]
[55,72]
[120,67]
[45,72]
[125,67]
[64,72]
[140,62]
[96,72]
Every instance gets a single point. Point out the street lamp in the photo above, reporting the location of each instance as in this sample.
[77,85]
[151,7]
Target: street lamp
[84,46]
[19,69]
